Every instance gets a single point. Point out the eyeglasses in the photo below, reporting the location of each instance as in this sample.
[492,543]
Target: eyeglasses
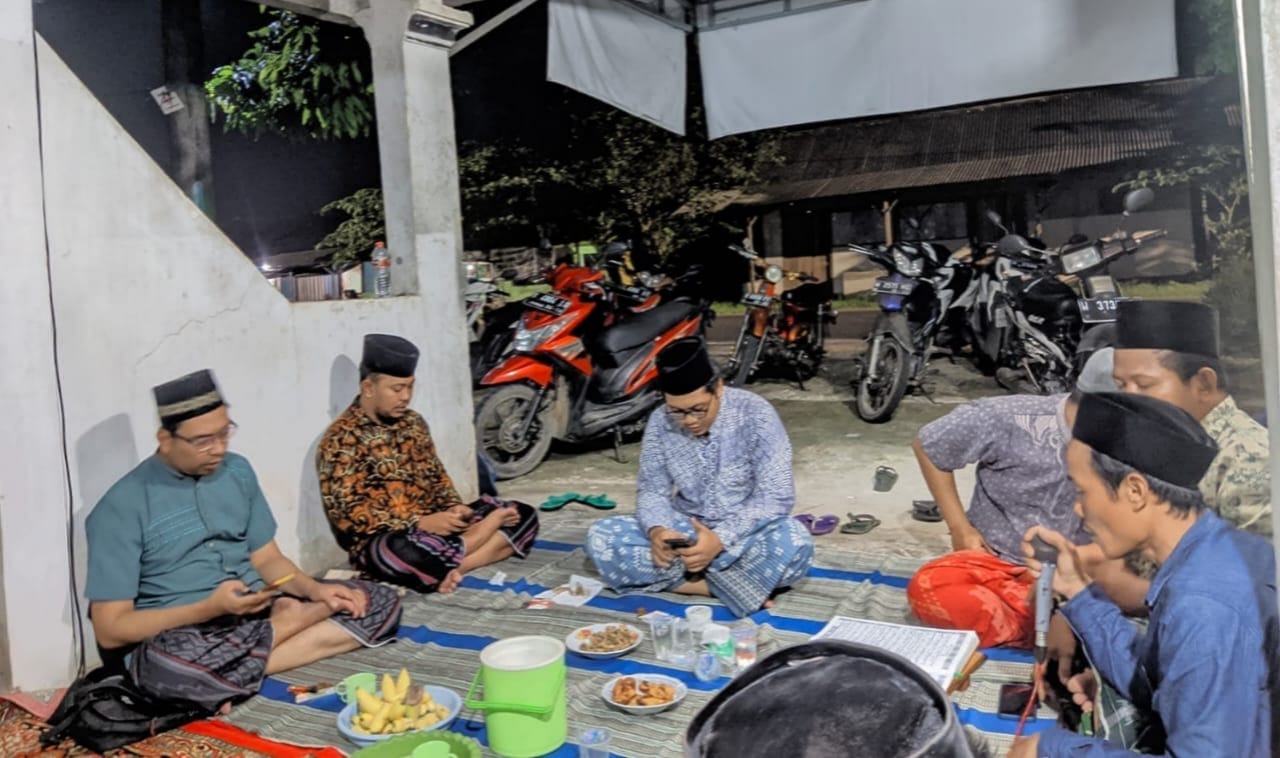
[697,413]
[206,442]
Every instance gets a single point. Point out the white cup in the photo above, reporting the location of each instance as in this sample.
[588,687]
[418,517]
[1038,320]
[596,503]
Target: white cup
[698,617]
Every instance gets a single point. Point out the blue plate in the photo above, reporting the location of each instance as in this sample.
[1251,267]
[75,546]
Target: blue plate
[442,695]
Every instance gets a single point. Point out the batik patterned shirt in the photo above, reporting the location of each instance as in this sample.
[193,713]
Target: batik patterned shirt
[731,479]
[377,477]
[1237,485]
[1017,444]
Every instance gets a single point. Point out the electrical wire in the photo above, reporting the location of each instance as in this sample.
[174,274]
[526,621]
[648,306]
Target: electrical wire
[77,620]
[1037,677]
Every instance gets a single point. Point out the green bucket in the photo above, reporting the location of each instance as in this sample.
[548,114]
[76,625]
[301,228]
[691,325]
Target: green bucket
[525,699]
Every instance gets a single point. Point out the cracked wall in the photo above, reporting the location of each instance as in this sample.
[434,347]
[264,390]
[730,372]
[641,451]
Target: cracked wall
[145,289]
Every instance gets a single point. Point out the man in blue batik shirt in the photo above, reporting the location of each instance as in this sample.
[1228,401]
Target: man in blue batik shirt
[715,469]
[1205,667]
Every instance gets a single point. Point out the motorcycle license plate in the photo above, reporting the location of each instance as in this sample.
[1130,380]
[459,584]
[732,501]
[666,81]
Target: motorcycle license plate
[1099,310]
[547,303]
[635,292]
[887,286]
[757,299]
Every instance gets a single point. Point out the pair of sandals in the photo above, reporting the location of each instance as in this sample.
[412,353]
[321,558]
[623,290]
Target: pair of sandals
[860,523]
[599,502]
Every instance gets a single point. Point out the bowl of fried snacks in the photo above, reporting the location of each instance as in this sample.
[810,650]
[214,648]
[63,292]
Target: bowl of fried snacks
[643,693]
[604,640]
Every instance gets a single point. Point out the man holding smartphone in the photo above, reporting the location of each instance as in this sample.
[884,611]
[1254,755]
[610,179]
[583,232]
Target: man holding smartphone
[185,577]
[713,497]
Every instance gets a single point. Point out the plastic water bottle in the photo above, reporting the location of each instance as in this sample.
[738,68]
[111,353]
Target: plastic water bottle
[381,269]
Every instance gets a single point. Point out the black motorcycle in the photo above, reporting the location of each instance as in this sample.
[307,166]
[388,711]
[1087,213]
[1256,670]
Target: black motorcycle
[925,292]
[1042,312]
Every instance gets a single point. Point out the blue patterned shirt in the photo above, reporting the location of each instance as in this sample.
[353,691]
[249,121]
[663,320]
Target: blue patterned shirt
[732,479]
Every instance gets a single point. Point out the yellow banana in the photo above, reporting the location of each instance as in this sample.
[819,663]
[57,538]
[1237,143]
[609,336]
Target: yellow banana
[380,720]
[428,720]
[402,683]
[390,692]
[367,702]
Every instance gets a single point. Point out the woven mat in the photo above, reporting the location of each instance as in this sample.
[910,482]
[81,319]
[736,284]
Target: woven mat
[440,637]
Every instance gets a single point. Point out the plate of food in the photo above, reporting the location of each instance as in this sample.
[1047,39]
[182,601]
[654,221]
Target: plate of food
[643,693]
[399,707]
[604,640]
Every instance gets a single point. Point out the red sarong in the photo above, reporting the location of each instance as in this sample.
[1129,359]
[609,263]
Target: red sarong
[972,589]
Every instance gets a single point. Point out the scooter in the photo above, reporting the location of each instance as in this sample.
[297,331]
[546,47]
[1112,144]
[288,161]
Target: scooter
[791,337]
[576,372]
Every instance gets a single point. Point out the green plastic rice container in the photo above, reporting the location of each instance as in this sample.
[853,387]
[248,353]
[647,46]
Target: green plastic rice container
[525,699]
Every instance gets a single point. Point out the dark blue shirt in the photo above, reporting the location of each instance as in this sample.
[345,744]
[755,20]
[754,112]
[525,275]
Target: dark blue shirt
[1203,665]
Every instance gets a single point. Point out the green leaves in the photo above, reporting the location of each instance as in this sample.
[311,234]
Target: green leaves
[365,224]
[297,80]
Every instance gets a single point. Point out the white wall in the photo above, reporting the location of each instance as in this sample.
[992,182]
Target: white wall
[146,289]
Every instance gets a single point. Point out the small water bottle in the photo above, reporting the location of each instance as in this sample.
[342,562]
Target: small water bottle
[382,270]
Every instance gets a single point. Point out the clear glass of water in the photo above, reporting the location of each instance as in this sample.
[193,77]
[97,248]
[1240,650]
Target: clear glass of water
[683,650]
[660,629]
[745,638]
[593,743]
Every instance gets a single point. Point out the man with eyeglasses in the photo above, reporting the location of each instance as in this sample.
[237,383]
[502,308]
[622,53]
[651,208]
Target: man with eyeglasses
[188,591]
[713,497]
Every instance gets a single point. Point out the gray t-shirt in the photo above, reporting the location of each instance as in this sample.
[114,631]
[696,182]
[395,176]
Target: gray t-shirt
[1017,443]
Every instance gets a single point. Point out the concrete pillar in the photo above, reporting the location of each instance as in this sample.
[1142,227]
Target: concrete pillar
[33,498]
[1258,38]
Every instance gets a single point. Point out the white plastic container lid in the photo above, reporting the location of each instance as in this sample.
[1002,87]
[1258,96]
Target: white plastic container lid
[715,634]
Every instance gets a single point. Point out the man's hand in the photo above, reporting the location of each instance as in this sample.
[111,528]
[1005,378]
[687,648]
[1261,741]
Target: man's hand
[1026,747]
[341,599]
[969,538]
[233,598]
[1069,579]
[445,523]
[663,555]
[1084,689]
[703,552]
[1061,645]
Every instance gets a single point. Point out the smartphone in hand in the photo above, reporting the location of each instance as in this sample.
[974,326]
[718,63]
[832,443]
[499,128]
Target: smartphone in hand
[1013,701]
[677,543]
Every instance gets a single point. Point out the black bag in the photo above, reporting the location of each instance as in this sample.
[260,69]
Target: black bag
[104,710]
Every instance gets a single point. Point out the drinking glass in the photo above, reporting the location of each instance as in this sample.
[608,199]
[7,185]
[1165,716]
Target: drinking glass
[660,629]
[593,743]
[683,649]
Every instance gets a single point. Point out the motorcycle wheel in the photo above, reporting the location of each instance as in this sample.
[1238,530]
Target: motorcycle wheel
[745,359]
[875,403]
[499,420]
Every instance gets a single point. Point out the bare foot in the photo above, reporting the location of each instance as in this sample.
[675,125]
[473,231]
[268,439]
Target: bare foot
[450,582]
[768,604]
[285,605]
[225,709]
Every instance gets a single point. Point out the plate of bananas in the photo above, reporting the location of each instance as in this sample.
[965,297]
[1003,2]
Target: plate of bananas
[399,707]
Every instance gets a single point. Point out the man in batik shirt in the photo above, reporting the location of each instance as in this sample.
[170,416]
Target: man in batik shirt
[389,501]
[715,469]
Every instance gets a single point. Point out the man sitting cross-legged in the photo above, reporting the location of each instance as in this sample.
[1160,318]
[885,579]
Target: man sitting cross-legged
[715,469]
[1016,445]
[181,553]
[388,499]
[1205,666]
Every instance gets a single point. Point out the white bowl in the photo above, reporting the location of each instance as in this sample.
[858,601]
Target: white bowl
[574,642]
[442,695]
[606,692]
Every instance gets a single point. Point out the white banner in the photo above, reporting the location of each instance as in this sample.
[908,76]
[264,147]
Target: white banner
[874,57]
[621,55]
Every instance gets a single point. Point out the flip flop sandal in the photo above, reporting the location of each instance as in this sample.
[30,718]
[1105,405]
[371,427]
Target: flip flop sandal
[599,502]
[824,525]
[806,520]
[556,502]
[859,524]
[925,510]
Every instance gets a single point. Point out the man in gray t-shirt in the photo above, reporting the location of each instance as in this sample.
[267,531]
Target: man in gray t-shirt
[1016,444]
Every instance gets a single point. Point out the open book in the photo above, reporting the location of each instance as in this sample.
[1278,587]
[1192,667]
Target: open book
[941,653]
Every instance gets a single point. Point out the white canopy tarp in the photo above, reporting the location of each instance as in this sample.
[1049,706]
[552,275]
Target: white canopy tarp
[620,55]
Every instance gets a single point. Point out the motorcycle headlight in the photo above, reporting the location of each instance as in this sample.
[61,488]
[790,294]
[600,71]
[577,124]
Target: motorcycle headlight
[773,274]
[1080,260]
[906,264]
[649,280]
[527,340]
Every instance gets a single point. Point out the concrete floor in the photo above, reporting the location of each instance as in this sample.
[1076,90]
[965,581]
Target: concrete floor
[835,453]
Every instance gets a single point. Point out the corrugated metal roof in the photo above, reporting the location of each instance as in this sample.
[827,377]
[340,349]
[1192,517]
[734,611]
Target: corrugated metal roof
[1026,137]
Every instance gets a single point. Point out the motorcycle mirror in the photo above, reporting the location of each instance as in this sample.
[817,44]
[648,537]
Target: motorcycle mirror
[994,218]
[1012,244]
[1138,199]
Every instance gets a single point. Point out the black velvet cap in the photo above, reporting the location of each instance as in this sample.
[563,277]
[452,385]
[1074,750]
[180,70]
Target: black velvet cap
[1155,438]
[390,355]
[187,397]
[684,367]
[1167,325]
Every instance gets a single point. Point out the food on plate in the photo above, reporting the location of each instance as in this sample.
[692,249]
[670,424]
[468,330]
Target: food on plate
[614,637]
[632,692]
[400,706]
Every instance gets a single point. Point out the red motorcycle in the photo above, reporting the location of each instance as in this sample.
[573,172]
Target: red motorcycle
[577,371]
